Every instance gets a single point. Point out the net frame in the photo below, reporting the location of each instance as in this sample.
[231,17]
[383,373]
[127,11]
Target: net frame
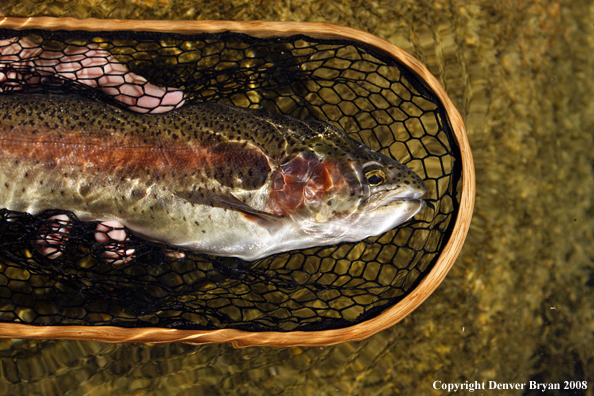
[241,338]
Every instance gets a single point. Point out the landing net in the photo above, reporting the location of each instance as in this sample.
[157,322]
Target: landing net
[364,92]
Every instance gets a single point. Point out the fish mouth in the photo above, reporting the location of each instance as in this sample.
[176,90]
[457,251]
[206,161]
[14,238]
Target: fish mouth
[410,197]
[402,207]
[410,205]
[378,199]
[399,200]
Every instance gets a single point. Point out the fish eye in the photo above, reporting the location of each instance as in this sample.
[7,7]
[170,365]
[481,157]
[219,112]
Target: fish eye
[375,177]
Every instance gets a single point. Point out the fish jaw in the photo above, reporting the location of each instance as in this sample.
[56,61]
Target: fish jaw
[358,225]
[384,218]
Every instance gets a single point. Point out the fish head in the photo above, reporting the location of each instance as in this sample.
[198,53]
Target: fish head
[337,189]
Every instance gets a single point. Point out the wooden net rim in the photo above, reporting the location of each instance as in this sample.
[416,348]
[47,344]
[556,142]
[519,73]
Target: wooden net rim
[239,338]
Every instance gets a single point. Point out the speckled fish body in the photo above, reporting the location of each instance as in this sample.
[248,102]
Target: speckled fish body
[217,179]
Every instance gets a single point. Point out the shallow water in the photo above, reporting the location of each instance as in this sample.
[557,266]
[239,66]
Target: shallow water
[517,306]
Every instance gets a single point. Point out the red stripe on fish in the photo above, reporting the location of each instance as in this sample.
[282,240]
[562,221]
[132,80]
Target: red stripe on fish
[228,162]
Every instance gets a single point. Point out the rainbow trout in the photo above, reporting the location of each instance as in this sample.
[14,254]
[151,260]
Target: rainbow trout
[209,177]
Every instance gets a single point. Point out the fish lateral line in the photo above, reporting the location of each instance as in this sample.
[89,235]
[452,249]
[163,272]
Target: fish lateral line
[227,161]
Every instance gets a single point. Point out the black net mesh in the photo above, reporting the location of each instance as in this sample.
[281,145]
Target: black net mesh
[368,94]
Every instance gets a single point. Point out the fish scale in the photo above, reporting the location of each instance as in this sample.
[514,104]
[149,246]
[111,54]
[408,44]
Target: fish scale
[210,177]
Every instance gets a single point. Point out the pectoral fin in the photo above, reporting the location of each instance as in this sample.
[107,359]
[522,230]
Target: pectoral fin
[266,220]
[269,221]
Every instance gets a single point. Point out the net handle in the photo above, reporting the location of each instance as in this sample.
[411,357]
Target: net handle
[238,338]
